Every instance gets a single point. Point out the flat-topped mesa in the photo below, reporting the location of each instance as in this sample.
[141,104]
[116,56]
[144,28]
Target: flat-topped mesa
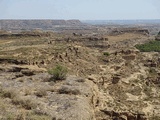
[36,24]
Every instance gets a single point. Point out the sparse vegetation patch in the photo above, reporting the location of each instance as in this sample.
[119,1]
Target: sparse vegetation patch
[58,73]
[149,47]
[25,103]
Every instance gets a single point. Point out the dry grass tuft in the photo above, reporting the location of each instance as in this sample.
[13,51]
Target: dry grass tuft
[24,102]
[27,91]
[8,93]
[41,92]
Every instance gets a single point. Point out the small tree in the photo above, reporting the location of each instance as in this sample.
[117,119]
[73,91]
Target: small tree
[58,73]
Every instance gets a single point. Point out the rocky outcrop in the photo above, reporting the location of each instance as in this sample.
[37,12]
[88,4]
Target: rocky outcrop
[124,115]
[130,30]
[25,34]
[129,57]
[12,61]
[91,41]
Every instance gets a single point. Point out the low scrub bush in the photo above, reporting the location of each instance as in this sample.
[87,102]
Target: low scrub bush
[58,73]
[25,103]
[106,53]
[8,93]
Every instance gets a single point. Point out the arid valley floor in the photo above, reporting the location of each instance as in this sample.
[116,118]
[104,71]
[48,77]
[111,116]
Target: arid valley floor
[108,77]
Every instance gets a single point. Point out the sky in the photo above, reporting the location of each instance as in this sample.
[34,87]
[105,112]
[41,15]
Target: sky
[80,9]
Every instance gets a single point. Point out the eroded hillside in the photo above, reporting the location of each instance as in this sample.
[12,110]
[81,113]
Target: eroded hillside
[108,78]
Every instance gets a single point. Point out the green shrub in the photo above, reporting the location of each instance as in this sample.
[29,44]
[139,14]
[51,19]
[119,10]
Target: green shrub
[58,73]
[106,53]
[150,46]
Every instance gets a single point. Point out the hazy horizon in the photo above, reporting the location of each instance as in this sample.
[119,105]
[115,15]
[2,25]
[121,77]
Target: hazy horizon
[78,19]
[85,19]
[81,10]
